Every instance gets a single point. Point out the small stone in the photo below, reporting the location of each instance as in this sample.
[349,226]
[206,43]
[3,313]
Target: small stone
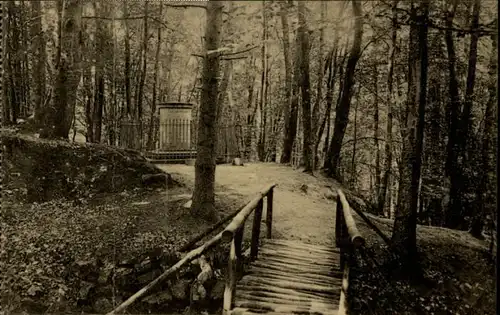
[159,298]
[105,273]
[84,291]
[237,162]
[180,289]
[188,204]
[149,276]
[34,290]
[144,266]
[329,195]
[198,291]
[303,188]
[102,305]
[217,292]
[124,277]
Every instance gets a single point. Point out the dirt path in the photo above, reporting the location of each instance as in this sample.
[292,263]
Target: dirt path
[308,217]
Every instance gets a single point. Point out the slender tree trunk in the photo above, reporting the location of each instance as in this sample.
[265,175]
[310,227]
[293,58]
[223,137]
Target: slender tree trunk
[292,136]
[40,59]
[142,80]
[262,105]
[150,143]
[24,67]
[458,178]
[390,103]
[404,233]
[12,108]
[68,64]
[319,90]
[127,74]
[376,133]
[466,119]
[289,135]
[303,34]
[486,184]
[354,143]
[250,110]
[330,85]
[342,112]
[204,196]
[6,87]
[112,118]
[99,77]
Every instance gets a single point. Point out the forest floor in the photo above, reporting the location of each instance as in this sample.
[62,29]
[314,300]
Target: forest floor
[39,241]
[458,276]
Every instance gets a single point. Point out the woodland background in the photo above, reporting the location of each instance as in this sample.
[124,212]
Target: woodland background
[395,99]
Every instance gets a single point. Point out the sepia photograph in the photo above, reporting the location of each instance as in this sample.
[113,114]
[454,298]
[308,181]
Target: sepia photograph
[200,157]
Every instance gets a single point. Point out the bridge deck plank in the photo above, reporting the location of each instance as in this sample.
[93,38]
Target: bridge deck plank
[290,277]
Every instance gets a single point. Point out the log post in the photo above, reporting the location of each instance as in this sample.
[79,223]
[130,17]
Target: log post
[254,251]
[340,227]
[269,213]
[235,256]
[237,240]
[340,232]
[230,279]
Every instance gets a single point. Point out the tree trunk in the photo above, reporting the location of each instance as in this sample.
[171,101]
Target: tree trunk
[390,103]
[250,110]
[319,90]
[376,133]
[262,105]
[203,196]
[68,65]
[303,34]
[40,59]
[6,86]
[485,193]
[354,143]
[458,178]
[150,143]
[99,77]
[342,112]
[405,224]
[128,95]
[466,119]
[330,85]
[289,133]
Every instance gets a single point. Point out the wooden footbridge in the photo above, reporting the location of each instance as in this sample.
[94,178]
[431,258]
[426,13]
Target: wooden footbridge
[283,276]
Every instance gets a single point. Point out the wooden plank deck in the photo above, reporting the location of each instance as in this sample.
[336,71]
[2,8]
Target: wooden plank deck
[291,277]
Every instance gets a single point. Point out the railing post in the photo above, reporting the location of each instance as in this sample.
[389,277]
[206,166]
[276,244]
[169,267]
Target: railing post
[340,232]
[340,228]
[232,270]
[254,247]
[238,238]
[269,213]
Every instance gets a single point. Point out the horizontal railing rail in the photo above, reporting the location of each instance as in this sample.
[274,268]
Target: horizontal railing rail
[192,255]
[347,233]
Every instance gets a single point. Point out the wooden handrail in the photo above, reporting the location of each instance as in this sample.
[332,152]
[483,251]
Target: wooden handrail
[234,234]
[355,237]
[195,253]
[240,218]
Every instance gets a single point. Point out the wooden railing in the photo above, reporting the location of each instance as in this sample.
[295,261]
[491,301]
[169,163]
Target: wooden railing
[234,234]
[347,236]
[347,239]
